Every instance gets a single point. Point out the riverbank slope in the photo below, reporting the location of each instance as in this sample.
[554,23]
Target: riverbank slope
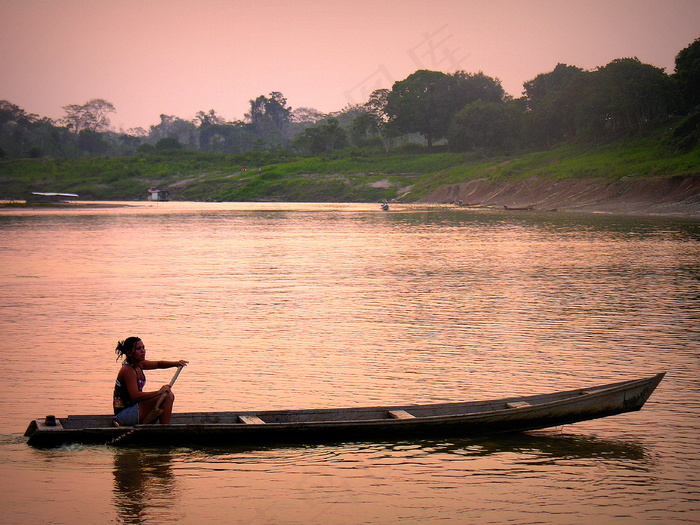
[677,195]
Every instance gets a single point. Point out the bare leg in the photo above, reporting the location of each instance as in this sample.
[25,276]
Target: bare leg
[167,407]
[145,408]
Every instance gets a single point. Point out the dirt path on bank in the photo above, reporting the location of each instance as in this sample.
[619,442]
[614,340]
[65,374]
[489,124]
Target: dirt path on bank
[671,196]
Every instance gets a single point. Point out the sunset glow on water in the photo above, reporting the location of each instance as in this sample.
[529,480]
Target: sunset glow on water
[325,305]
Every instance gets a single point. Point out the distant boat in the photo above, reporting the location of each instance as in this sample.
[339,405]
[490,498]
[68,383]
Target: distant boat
[279,427]
[385,206]
[49,196]
[525,208]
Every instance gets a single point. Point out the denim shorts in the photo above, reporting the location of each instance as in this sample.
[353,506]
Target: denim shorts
[129,416]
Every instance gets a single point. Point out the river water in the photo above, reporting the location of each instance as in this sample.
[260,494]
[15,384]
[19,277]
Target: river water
[331,305]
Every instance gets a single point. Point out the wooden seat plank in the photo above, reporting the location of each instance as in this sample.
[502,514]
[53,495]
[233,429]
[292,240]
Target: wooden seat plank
[400,414]
[251,420]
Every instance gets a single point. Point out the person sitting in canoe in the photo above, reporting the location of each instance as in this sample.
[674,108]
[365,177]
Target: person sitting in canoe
[131,404]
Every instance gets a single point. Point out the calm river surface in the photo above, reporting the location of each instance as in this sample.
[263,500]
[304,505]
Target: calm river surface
[330,305]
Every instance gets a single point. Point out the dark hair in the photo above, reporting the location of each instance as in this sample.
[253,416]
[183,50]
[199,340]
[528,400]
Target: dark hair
[126,346]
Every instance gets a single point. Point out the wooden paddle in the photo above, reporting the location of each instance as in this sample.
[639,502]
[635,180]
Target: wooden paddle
[157,411]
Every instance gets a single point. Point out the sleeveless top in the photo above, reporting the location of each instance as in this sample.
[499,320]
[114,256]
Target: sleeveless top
[122,399]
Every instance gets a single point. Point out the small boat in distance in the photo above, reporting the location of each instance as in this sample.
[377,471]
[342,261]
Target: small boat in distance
[280,427]
[523,208]
[44,197]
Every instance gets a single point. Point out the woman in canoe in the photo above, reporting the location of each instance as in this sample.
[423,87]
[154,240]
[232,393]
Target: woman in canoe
[131,404]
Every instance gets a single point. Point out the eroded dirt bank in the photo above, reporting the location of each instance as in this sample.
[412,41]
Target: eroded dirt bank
[675,195]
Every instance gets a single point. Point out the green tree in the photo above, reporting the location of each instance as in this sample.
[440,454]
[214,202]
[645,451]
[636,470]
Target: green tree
[126,144]
[92,142]
[168,144]
[300,119]
[306,116]
[92,116]
[23,134]
[277,110]
[174,127]
[687,76]
[15,129]
[625,95]
[426,101]
[551,100]
[364,127]
[620,97]
[269,116]
[208,118]
[322,139]
[376,104]
[546,85]
[411,105]
[486,126]
[232,137]
[462,88]
[146,149]
[13,114]
[52,140]
[373,121]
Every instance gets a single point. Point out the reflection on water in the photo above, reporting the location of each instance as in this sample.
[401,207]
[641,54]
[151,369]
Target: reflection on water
[544,445]
[157,487]
[552,447]
[143,480]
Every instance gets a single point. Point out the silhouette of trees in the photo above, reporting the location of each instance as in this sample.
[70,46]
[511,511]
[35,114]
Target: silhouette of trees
[269,116]
[92,116]
[426,101]
[470,110]
[323,138]
[687,76]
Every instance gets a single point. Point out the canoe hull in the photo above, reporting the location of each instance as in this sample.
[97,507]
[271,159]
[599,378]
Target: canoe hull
[355,424]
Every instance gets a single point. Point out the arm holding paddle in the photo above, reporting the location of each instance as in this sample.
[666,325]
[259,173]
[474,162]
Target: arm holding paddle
[152,365]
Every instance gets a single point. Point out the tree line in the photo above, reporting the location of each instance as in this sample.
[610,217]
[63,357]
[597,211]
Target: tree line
[460,111]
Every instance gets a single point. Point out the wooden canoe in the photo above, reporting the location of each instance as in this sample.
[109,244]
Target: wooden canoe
[278,427]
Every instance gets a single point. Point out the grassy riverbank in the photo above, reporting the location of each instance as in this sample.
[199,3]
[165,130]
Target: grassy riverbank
[350,176]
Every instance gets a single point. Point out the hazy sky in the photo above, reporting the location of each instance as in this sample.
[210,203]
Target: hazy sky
[177,57]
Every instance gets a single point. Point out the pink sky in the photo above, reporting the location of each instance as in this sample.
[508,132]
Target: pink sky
[178,57]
